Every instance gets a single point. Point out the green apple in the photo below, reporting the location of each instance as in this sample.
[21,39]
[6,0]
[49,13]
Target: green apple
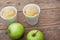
[15,30]
[35,35]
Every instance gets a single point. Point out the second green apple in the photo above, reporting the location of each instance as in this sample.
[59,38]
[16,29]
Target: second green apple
[35,35]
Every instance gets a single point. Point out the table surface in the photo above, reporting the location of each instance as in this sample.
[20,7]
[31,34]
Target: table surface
[49,19]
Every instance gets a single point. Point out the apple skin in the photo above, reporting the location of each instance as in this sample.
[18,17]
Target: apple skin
[15,30]
[35,35]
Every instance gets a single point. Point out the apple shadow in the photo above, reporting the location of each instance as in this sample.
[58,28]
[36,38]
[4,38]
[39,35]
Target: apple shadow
[21,37]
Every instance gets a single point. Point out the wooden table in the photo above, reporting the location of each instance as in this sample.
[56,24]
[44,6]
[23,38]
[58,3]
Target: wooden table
[49,19]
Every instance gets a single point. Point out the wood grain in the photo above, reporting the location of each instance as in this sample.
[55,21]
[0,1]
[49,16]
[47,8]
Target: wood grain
[46,18]
[49,24]
[19,4]
[50,33]
[49,19]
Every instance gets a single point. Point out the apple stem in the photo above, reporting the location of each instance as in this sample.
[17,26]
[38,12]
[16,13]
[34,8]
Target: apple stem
[9,31]
[35,34]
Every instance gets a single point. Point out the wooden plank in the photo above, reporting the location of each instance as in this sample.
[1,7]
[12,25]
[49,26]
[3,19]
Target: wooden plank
[19,4]
[50,33]
[47,18]
[3,24]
